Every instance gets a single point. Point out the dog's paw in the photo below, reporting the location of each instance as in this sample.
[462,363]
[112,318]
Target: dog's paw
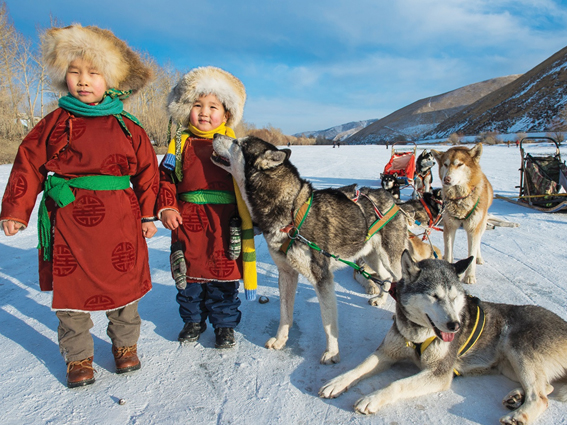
[470,279]
[514,399]
[479,260]
[514,418]
[367,405]
[379,300]
[334,388]
[275,344]
[372,288]
[330,358]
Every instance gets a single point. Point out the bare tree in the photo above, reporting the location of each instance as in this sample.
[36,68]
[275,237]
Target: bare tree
[149,104]
[10,94]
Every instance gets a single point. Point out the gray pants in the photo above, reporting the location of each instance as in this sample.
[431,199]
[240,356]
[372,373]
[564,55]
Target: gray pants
[76,341]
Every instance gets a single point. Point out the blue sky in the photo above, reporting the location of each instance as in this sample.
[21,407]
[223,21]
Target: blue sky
[310,65]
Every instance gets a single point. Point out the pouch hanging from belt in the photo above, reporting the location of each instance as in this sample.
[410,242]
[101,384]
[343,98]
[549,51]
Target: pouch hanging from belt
[178,265]
[235,242]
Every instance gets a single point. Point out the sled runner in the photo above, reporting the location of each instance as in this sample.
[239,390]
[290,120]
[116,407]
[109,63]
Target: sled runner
[543,179]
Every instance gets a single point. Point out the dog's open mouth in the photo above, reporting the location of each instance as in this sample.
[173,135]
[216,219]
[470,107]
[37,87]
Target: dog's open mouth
[445,336]
[220,159]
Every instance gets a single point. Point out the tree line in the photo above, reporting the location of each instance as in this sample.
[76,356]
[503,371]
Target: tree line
[26,95]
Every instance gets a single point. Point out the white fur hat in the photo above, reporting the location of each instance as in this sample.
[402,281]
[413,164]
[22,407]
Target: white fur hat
[203,81]
[120,66]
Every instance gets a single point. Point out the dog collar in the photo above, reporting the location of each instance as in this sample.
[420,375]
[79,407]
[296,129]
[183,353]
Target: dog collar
[478,327]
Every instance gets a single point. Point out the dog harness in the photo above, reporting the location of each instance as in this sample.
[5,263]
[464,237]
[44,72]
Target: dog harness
[478,327]
[298,218]
[422,177]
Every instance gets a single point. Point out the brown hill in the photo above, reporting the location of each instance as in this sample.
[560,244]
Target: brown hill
[530,103]
[413,121]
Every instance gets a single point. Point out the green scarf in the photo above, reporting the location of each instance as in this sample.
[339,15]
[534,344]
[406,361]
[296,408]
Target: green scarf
[111,104]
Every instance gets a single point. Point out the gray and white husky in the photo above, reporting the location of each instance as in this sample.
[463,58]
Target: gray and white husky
[435,326]
[274,191]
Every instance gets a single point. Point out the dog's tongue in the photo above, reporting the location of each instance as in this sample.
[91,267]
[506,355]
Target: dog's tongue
[446,336]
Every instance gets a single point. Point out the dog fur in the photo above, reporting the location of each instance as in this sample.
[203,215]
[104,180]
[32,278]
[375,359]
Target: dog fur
[390,183]
[464,186]
[423,175]
[273,189]
[527,344]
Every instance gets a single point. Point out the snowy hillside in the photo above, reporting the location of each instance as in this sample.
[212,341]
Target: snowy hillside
[339,132]
[198,384]
[530,103]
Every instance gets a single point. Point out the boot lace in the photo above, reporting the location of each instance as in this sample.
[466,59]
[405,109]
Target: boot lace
[122,351]
[85,363]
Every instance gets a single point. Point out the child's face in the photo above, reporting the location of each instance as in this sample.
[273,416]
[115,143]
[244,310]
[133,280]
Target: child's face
[85,82]
[207,113]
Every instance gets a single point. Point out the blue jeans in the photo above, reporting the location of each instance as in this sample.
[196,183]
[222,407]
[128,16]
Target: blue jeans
[217,301]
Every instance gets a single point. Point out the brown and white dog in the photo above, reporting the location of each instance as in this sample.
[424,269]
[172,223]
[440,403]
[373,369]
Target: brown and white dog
[467,195]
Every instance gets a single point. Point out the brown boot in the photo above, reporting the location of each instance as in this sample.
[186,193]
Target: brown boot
[80,373]
[126,358]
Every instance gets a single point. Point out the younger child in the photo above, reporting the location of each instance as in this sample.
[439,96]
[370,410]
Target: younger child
[85,156]
[197,202]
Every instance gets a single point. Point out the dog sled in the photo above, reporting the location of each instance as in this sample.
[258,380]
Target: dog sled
[543,178]
[402,164]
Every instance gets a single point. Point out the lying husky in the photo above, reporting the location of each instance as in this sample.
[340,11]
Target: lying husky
[467,195]
[276,196]
[423,176]
[445,332]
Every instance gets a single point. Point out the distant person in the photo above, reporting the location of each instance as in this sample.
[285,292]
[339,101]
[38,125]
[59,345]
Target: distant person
[197,201]
[99,176]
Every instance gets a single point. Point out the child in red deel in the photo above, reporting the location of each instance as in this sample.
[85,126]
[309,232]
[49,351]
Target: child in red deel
[99,176]
[197,202]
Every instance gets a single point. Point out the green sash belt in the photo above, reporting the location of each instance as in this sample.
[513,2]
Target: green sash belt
[208,197]
[59,189]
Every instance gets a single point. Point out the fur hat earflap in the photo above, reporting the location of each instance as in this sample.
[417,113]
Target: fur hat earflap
[204,81]
[120,66]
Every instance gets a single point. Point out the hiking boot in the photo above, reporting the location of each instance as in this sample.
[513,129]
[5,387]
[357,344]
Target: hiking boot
[126,358]
[191,331]
[224,338]
[80,373]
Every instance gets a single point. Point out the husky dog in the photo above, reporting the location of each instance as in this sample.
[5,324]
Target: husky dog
[275,194]
[467,195]
[437,325]
[390,183]
[423,176]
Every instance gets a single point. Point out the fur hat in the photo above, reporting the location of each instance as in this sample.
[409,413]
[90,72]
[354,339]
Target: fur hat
[203,81]
[120,66]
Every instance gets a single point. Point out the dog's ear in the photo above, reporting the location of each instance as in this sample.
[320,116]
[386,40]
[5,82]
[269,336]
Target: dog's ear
[437,155]
[272,159]
[475,152]
[462,265]
[410,270]
[381,175]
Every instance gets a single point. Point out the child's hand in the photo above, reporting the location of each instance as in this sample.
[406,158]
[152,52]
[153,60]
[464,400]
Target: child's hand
[11,227]
[149,229]
[171,219]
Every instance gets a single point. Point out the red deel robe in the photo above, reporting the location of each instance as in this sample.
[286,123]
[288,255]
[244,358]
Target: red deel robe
[205,230]
[100,258]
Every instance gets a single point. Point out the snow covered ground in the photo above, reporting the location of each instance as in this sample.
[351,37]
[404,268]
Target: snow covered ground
[249,384]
